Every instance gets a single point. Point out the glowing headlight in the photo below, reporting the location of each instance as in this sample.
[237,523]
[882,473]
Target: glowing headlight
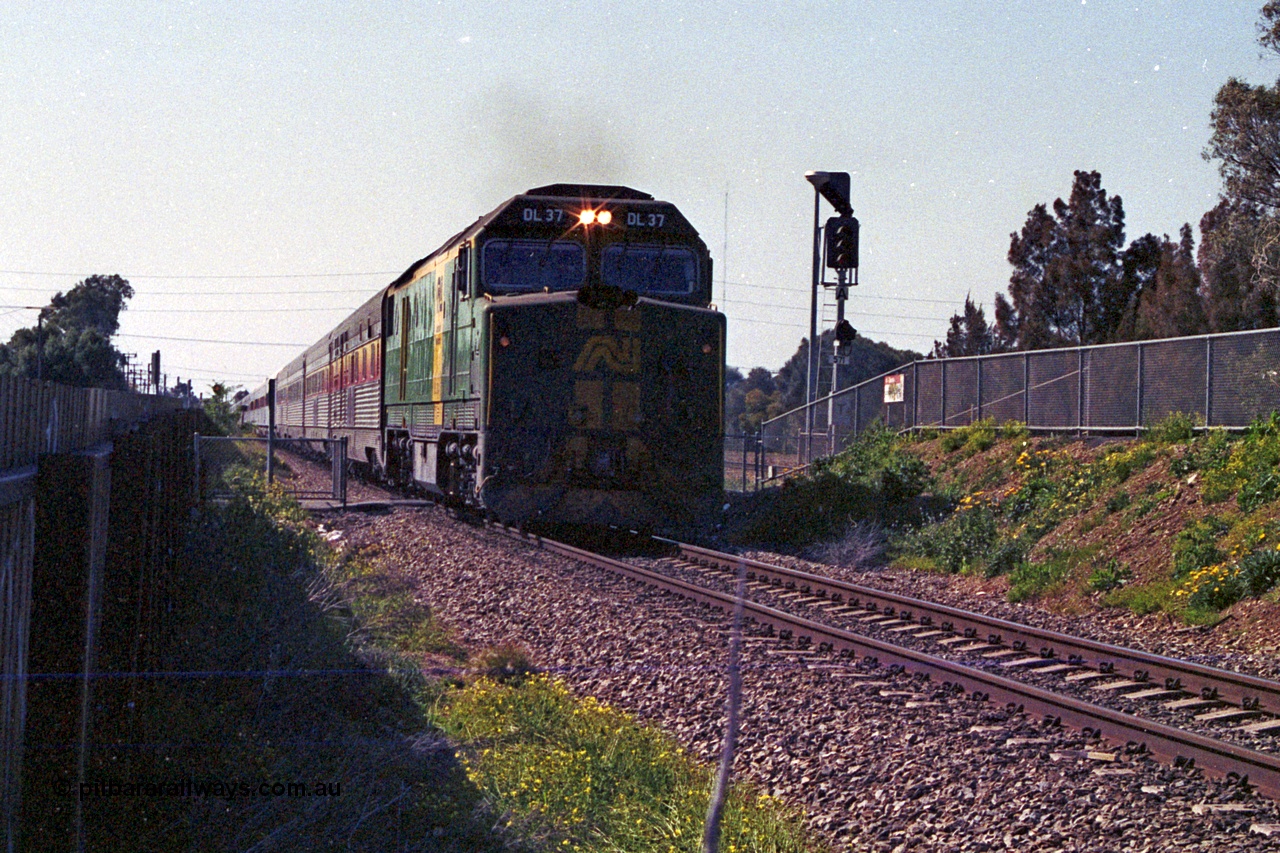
[588,217]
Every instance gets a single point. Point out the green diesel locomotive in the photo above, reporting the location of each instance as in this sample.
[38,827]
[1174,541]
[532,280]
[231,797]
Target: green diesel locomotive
[558,361]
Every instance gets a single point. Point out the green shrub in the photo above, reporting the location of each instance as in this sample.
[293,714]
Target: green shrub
[1014,431]
[1262,487]
[1108,576]
[1005,556]
[953,439]
[1196,546]
[1213,587]
[878,458]
[981,435]
[1118,501]
[975,437]
[1118,465]
[806,509]
[903,478]
[1175,428]
[1208,452]
[1249,470]
[961,542]
[1031,580]
[1260,571]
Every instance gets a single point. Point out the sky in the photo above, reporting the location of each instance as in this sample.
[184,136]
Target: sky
[257,170]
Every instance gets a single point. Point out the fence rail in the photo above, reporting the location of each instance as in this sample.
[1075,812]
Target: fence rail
[215,456]
[1225,380]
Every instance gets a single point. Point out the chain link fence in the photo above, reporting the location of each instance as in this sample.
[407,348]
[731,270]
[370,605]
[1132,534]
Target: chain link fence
[1225,380]
[306,468]
[741,462]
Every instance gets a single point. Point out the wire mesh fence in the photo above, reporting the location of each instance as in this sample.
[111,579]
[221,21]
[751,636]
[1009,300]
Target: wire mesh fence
[1225,380]
[306,468]
[741,462]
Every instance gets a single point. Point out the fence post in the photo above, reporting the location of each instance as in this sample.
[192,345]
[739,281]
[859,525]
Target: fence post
[942,365]
[759,457]
[915,394]
[195,446]
[1208,382]
[1080,391]
[857,409]
[1026,388]
[271,431]
[340,469]
[1138,426]
[978,362]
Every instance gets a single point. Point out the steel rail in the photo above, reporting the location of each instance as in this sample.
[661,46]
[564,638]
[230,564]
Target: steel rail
[1173,745]
[1247,691]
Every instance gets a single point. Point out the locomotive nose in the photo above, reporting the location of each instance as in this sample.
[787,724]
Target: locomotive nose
[604,463]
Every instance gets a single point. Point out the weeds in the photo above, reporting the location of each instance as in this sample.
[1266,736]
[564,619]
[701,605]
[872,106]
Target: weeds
[1196,546]
[1108,576]
[583,776]
[965,542]
[861,546]
[1175,428]
[1032,580]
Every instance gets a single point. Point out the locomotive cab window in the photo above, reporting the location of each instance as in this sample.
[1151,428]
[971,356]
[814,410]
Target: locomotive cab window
[522,266]
[671,270]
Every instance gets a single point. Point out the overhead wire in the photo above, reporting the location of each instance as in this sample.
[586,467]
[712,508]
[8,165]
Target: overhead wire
[209,277]
[206,310]
[210,341]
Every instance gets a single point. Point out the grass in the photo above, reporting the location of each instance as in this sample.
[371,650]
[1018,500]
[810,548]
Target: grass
[1035,579]
[1143,599]
[537,768]
[582,776]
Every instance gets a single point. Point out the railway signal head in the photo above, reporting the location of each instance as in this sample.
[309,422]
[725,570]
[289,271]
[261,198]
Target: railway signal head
[845,334]
[834,187]
[841,235]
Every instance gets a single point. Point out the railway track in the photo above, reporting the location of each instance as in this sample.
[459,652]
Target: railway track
[1219,696]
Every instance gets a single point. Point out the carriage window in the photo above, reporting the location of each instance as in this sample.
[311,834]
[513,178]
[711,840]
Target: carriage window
[528,265]
[650,269]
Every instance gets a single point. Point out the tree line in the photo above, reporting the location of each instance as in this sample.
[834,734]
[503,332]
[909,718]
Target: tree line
[1075,282]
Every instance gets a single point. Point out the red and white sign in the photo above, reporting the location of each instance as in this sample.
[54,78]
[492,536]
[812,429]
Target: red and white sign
[893,387]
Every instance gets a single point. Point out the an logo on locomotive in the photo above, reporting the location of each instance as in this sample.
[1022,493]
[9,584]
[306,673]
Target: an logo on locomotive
[619,355]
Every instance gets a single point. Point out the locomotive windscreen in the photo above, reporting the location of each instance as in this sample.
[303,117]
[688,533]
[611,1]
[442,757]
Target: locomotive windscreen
[650,269]
[531,265]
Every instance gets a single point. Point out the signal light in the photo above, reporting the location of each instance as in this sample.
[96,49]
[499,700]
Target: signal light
[841,237]
[846,334]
